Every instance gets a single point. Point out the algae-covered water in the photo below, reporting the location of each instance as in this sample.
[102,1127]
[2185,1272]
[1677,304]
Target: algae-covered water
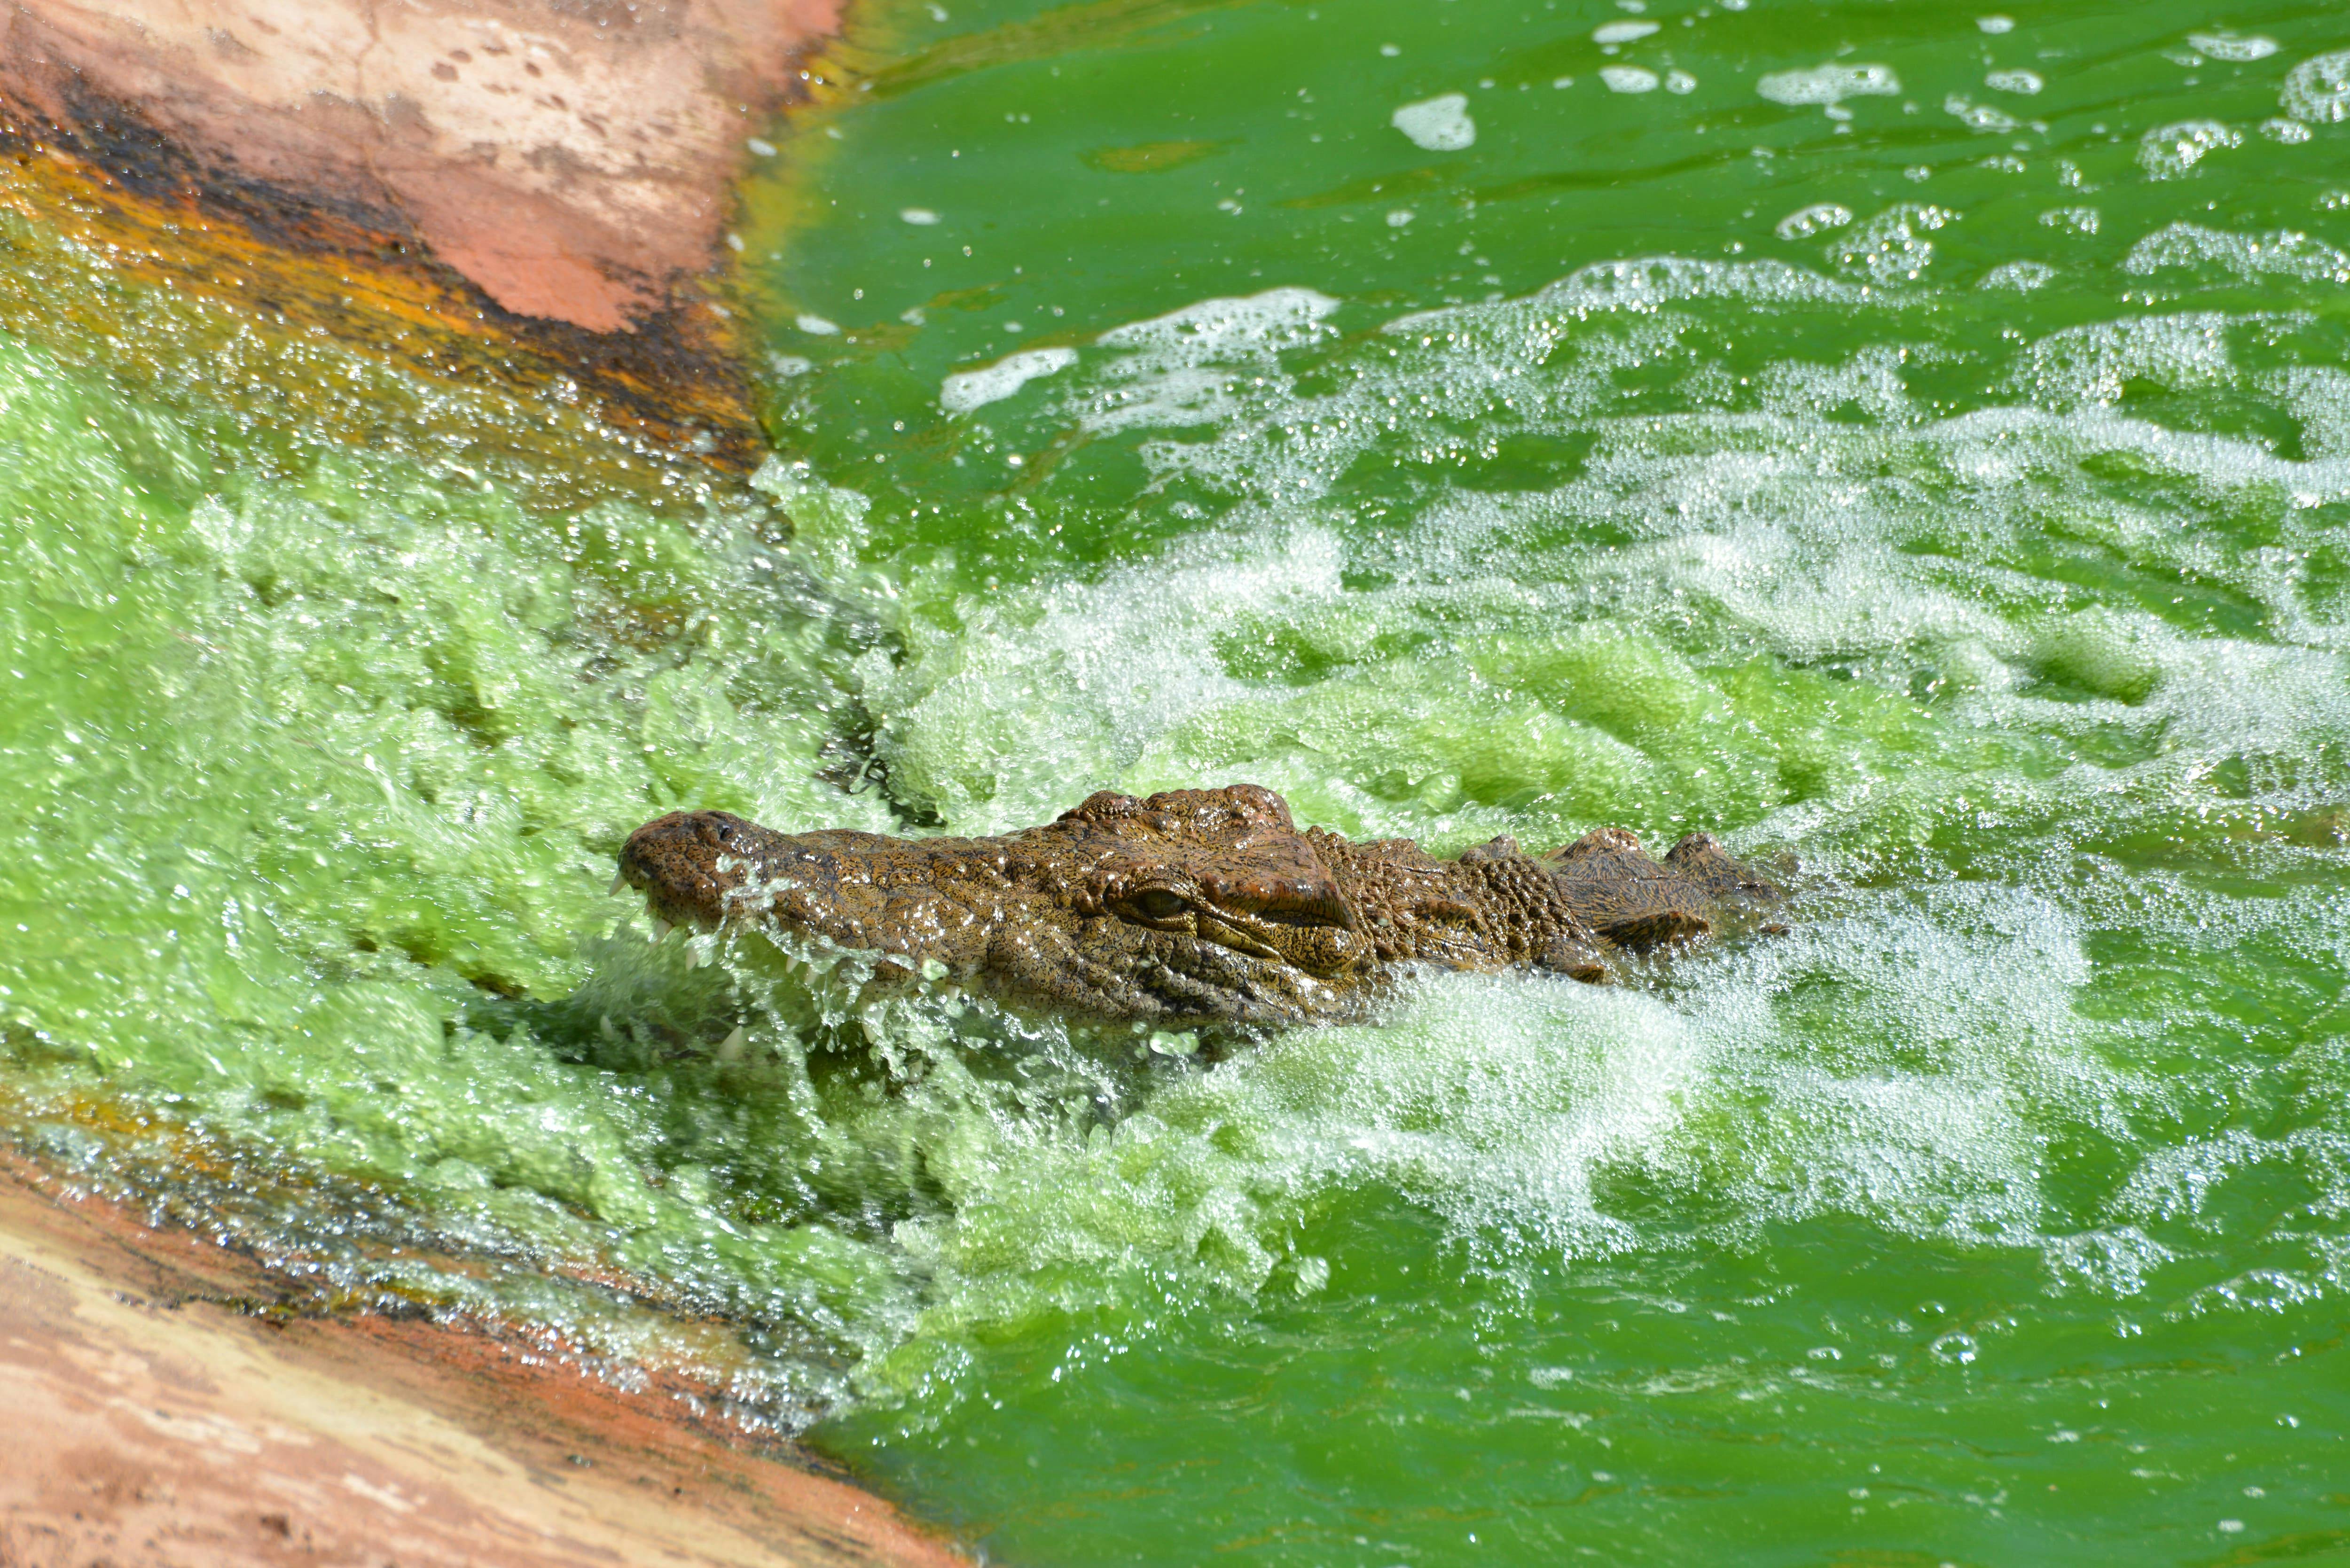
[1910,440]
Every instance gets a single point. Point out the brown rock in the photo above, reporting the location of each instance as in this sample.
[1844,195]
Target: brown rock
[570,157]
[153,1419]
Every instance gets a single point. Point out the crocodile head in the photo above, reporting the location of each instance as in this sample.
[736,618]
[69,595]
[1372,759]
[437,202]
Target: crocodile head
[1192,906]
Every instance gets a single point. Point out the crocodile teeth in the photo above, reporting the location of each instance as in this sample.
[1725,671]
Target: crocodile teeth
[731,1048]
[619,880]
[661,927]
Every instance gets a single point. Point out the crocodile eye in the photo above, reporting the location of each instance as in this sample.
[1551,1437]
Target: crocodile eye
[1159,904]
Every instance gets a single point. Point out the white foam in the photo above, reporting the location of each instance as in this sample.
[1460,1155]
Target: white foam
[2177,1182]
[967,390]
[2236,48]
[2021,276]
[1818,218]
[1184,368]
[986,727]
[1810,513]
[2172,151]
[1642,284]
[1826,85]
[2318,89]
[1891,248]
[1979,117]
[2318,395]
[1439,124]
[1279,318]
[1512,1109]
[2283,252]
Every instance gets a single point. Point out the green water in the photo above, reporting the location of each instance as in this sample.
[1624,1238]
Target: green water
[1911,443]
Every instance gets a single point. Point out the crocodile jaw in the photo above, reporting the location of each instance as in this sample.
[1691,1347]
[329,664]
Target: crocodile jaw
[1019,917]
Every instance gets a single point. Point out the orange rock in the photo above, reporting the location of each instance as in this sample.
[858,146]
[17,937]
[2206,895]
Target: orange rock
[529,193]
[570,159]
[153,1418]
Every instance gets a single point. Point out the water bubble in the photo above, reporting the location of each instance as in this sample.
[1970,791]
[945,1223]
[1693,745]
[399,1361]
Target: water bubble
[2318,90]
[2233,49]
[815,326]
[2021,276]
[2172,151]
[1996,23]
[1803,223]
[1980,116]
[1891,248]
[1629,78]
[2074,220]
[2283,252]
[1399,217]
[1680,82]
[1171,370]
[2015,81]
[922,218]
[2290,132]
[1621,32]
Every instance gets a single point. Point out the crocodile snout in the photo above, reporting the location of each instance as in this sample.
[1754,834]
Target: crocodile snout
[673,860]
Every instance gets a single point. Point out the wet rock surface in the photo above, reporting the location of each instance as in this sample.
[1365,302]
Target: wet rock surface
[569,159]
[528,196]
[160,1412]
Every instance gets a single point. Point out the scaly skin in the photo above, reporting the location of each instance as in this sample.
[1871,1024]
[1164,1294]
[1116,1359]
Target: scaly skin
[1192,906]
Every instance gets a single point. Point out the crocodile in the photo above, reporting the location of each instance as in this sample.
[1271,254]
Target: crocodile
[1190,908]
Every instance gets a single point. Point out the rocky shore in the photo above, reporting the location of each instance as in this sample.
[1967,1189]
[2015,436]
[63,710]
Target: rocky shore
[531,194]
[159,1412]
